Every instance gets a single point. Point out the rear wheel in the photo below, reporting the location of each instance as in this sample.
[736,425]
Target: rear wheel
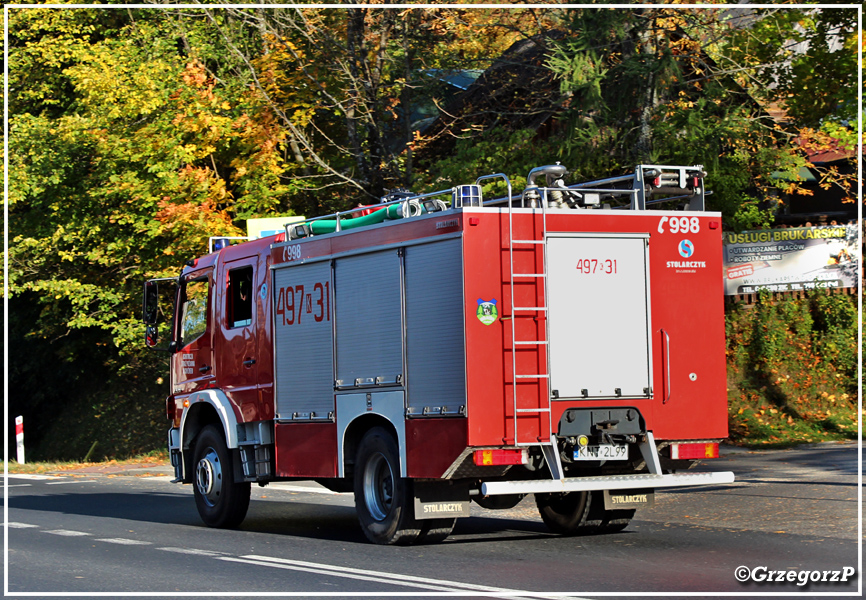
[383,499]
[501,502]
[221,501]
[565,513]
[608,521]
[435,530]
[581,513]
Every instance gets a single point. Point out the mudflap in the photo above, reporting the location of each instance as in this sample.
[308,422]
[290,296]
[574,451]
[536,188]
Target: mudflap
[628,499]
[441,499]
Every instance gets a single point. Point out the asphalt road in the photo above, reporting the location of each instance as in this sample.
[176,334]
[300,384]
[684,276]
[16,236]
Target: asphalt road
[791,511]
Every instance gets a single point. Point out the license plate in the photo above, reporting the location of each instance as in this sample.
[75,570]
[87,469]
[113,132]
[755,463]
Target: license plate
[602,452]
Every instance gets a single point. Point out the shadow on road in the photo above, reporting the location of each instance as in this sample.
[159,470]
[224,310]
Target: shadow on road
[150,507]
[299,519]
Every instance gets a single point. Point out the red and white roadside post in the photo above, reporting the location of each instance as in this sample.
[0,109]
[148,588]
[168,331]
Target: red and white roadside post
[19,438]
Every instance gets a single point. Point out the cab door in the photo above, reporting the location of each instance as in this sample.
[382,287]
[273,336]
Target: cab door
[192,365]
[237,354]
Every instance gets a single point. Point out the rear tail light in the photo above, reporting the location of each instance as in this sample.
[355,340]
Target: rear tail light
[695,451]
[485,458]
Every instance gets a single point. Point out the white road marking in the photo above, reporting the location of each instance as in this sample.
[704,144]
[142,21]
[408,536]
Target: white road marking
[327,570]
[65,532]
[124,542]
[20,485]
[31,476]
[193,551]
[397,579]
[71,481]
[380,576]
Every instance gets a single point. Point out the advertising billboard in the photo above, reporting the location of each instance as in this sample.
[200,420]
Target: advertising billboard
[791,259]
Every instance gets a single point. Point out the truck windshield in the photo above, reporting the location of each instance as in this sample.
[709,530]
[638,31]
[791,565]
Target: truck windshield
[194,316]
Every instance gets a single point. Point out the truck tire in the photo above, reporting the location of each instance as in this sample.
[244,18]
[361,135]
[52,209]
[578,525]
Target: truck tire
[383,499]
[221,501]
[501,502]
[435,530]
[607,521]
[565,513]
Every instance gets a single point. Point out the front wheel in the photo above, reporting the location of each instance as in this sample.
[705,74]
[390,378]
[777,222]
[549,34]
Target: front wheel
[383,499]
[221,501]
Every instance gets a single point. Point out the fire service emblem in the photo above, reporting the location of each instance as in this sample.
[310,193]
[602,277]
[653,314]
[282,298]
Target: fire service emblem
[487,312]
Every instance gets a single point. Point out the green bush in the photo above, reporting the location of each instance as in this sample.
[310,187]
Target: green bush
[792,369]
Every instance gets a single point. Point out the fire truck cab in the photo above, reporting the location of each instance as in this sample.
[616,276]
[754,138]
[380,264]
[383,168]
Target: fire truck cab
[438,349]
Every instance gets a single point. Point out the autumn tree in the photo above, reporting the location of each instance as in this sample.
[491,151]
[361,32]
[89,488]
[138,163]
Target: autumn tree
[801,63]
[347,84]
[135,134]
[128,147]
[674,84]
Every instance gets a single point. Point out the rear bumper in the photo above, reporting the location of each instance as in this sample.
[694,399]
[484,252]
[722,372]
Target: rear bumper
[610,482]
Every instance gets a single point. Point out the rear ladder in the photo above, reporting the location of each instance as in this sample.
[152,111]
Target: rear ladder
[541,374]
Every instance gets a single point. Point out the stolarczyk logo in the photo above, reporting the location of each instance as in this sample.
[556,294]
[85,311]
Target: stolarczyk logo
[686,248]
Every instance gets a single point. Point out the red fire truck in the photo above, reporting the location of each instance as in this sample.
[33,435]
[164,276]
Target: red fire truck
[437,349]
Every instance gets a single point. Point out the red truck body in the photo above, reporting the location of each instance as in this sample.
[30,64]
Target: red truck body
[479,351]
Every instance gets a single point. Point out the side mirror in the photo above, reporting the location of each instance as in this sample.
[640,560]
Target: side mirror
[150,308]
[151,336]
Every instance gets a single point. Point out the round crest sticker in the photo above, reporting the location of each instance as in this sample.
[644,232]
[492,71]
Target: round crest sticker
[686,248]
[487,312]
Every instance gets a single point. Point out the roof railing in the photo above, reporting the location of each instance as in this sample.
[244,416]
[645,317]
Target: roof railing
[679,182]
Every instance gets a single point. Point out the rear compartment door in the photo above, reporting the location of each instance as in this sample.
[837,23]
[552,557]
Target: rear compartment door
[599,315]
[304,341]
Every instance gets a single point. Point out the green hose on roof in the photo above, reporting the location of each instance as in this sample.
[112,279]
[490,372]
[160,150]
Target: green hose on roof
[395,211]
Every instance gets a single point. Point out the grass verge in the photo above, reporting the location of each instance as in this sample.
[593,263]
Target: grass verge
[156,457]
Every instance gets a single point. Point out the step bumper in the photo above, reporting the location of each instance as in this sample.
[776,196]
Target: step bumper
[610,482]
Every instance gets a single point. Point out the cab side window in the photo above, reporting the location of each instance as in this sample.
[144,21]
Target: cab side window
[240,297]
[194,316]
